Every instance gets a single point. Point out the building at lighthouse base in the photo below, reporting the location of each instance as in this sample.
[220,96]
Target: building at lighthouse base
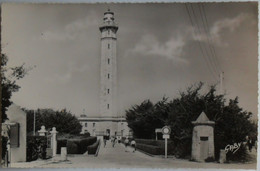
[105,126]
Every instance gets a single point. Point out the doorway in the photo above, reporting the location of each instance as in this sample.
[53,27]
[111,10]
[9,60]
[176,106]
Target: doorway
[204,147]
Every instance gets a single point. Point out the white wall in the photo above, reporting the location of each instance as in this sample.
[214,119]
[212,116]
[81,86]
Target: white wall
[16,115]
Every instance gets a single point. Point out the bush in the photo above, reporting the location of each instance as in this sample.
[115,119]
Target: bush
[80,146]
[92,149]
[179,113]
[157,143]
[151,149]
[36,147]
[4,146]
[240,155]
[84,143]
[72,147]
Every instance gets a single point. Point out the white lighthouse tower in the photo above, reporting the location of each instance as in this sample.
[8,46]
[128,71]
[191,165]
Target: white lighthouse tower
[108,77]
[107,123]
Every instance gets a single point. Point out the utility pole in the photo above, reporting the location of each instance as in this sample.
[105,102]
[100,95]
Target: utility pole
[221,82]
[34,122]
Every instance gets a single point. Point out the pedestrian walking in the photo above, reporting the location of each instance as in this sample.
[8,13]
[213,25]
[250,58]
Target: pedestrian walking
[113,141]
[105,142]
[133,144]
[126,143]
[250,144]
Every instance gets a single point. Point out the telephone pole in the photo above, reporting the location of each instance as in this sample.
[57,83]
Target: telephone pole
[34,122]
[221,77]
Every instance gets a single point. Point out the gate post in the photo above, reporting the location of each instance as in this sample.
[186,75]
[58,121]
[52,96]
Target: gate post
[54,141]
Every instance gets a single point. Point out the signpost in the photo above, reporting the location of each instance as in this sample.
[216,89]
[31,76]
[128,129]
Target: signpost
[166,130]
[156,131]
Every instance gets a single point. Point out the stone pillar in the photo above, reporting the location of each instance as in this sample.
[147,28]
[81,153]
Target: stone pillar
[222,156]
[42,131]
[203,139]
[54,141]
[63,153]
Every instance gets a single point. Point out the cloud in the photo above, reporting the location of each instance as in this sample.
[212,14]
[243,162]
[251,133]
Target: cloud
[150,45]
[72,30]
[66,74]
[230,24]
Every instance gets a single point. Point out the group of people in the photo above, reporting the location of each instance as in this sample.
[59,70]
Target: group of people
[127,143]
[132,144]
[114,140]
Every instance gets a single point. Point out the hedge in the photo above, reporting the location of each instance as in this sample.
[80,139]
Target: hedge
[84,143]
[80,146]
[92,149]
[146,145]
[36,147]
[151,149]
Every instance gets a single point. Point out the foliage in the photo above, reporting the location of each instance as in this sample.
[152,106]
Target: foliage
[232,123]
[150,149]
[63,120]
[143,119]
[36,147]
[159,144]
[92,149]
[80,146]
[4,146]
[9,77]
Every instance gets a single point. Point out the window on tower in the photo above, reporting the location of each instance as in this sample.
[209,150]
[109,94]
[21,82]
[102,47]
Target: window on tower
[94,124]
[108,60]
[108,32]
[108,46]
[107,106]
[108,76]
[108,91]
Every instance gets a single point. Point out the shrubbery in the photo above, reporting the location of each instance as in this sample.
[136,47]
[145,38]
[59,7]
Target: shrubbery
[155,147]
[151,149]
[63,120]
[92,149]
[80,146]
[232,123]
[36,147]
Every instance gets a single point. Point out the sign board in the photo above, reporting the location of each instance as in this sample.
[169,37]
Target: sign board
[166,130]
[14,135]
[158,130]
[166,136]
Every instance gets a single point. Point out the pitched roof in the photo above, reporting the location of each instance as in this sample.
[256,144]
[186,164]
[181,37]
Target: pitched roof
[203,119]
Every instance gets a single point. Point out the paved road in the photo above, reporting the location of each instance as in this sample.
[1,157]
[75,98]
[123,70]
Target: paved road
[118,157]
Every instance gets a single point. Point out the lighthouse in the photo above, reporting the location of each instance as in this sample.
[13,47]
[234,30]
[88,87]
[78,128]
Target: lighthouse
[107,122]
[108,70]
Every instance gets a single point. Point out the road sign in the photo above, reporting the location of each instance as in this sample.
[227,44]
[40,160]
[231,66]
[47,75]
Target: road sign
[166,136]
[158,130]
[166,130]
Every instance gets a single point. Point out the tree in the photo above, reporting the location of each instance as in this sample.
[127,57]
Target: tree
[232,123]
[8,82]
[63,120]
[9,76]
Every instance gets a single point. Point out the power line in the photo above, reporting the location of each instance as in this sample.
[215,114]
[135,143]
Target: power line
[210,38]
[207,54]
[200,45]
[212,56]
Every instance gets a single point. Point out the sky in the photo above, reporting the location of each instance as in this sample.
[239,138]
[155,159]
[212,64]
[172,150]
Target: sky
[160,52]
